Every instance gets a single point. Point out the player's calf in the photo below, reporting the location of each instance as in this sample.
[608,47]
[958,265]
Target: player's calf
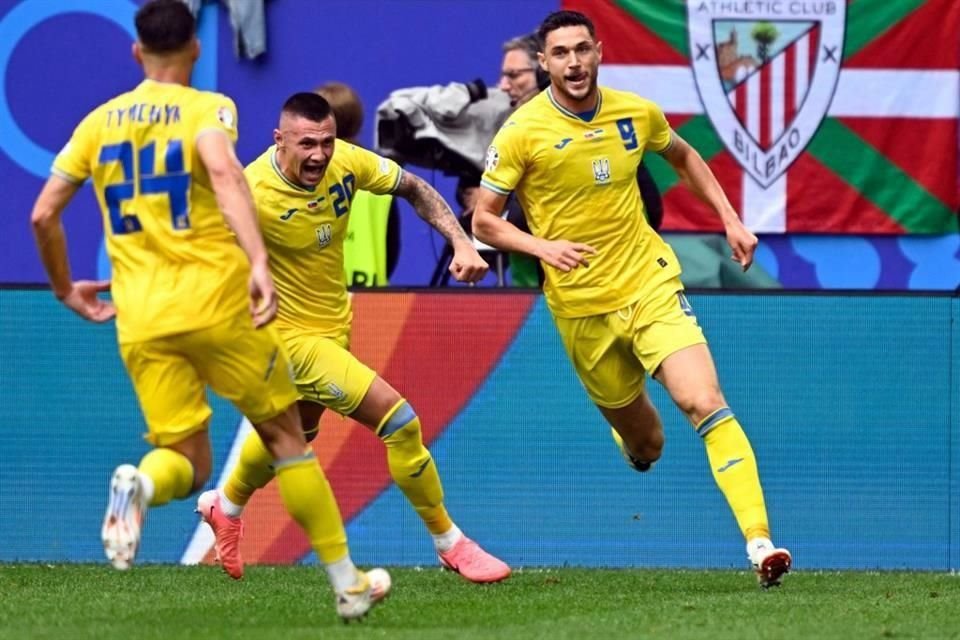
[635,463]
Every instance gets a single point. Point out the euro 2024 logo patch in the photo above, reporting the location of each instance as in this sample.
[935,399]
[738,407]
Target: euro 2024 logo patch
[493,158]
[766,71]
[226,118]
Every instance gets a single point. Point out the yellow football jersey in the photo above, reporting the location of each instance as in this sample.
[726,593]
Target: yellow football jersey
[304,230]
[576,179]
[176,266]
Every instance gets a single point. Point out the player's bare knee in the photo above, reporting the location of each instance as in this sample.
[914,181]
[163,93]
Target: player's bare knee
[701,404]
[280,440]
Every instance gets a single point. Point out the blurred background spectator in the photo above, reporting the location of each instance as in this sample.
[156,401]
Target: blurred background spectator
[416,125]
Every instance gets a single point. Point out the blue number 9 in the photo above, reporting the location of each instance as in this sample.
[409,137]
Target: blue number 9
[627,133]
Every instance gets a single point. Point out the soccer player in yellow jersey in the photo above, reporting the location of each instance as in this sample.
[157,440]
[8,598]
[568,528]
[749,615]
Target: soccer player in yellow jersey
[192,300]
[303,190]
[612,284]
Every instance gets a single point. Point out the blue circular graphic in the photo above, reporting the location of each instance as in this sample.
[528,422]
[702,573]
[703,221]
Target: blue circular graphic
[25,16]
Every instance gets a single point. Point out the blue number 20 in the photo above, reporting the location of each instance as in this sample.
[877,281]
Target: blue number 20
[175,183]
[344,195]
[627,133]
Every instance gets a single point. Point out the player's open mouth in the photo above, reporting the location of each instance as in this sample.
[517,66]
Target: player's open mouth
[578,80]
[312,171]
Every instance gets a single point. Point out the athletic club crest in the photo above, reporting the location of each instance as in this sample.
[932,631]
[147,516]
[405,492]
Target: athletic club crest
[766,71]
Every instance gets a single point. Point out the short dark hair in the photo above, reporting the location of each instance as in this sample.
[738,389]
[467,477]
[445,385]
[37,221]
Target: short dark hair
[307,105]
[346,106]
[165,26]
[559,19]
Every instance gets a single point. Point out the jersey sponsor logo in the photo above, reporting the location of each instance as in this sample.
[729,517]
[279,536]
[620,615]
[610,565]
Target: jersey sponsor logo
[324,235]
[601,170]
[493,158]
[766,73]
[286,216]
[563,143]
[225,116]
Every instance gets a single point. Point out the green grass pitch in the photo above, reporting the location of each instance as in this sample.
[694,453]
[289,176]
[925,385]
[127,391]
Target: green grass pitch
[169,603]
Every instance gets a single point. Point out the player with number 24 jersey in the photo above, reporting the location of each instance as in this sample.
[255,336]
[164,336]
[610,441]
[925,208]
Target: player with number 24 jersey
[176,265]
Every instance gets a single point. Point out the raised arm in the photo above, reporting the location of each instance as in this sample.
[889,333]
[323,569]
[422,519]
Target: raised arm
[81,296]
[467,265]
[490,228]
[695,173]
[236,203]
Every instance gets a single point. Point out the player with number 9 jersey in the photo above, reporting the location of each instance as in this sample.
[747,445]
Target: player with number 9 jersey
[575,176]
[176,265]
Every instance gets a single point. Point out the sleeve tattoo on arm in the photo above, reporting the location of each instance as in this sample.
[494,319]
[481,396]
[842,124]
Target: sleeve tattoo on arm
[430,206]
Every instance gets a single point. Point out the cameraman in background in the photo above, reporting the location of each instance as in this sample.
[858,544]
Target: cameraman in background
[450,127]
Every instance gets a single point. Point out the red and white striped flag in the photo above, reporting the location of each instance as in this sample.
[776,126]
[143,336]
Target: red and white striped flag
[817,116]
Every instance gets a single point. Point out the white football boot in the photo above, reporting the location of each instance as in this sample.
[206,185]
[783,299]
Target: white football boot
[371,588]
[770,563]
[123,522]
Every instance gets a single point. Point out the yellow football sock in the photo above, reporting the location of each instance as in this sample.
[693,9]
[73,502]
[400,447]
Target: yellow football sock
[171,473]
[253,471]
[735,471]
[412,467]
[309,500]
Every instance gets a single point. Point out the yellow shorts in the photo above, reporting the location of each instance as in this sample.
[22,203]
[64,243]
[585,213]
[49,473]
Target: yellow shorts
[613,352]
[247,366]
[326,372]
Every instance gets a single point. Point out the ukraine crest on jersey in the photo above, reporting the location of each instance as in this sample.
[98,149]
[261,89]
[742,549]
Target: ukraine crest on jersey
[304,231]
[175,265]
[576,179]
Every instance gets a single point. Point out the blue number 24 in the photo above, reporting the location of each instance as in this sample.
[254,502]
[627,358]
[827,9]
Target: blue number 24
[175,183]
